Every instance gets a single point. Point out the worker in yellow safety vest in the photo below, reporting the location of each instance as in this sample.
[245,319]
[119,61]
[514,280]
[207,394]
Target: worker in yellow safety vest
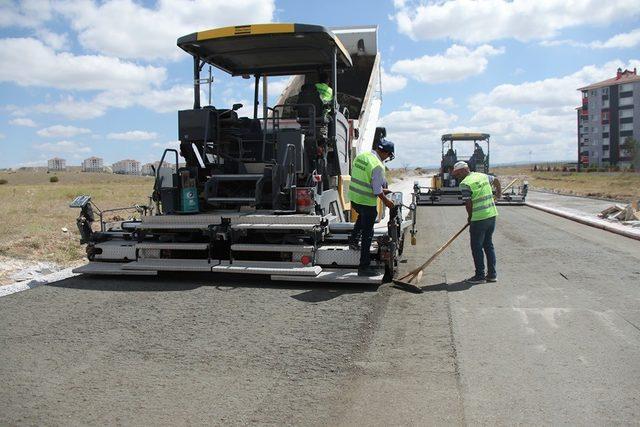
[477,194]
[368,184]
[325,92]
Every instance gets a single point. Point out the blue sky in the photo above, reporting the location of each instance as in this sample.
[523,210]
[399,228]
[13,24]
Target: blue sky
[83,78]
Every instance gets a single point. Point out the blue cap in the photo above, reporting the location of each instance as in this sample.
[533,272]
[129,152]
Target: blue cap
[386,146]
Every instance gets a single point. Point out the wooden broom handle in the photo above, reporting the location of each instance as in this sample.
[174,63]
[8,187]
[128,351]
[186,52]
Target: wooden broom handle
[438,252]
[509,186]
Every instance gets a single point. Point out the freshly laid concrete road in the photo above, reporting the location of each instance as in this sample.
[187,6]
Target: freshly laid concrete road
[571,204]
[555,341]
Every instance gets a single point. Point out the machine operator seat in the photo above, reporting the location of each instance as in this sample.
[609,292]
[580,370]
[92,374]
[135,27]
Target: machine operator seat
[309,95]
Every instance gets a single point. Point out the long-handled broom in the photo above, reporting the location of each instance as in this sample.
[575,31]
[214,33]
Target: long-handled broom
[409,280]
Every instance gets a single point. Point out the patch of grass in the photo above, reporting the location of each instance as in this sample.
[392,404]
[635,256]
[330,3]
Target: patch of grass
[54,179]
[33,212]
[3,181]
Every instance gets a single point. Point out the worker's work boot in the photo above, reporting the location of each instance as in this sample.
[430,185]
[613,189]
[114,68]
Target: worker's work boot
[367,271]
[354,244]
[476,280]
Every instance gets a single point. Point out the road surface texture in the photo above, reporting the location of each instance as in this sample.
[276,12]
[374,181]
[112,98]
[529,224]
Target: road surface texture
[555,341]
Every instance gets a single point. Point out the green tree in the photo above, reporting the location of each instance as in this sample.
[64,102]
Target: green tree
[632,148]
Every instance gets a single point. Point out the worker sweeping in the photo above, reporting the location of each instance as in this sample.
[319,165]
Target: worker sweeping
[477,194]
[368,184]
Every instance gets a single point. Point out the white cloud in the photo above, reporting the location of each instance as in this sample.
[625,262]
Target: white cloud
[179,97]
[133,135]
[170,144]
[537,116]
[392,82]
[28,62]
[72,108]
[67,147]
[446,102]
[2,136]
[22,122]
[24,13]
[416,132]
[619,41]
[457,63]
[563,42]
[275,86]
[247,106]
[15,111]
[623,40]
[158,100]
[54,40]
[59,131]
[128,29]
[549,134]
[483,21]
[551,92]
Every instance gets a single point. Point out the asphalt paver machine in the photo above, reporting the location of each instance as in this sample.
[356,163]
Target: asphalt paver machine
[444,189]
[265,194]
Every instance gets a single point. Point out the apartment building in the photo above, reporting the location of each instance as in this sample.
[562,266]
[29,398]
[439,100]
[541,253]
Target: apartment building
[127,167]
[147,168]
[56,164]
[93,164]
[609,114]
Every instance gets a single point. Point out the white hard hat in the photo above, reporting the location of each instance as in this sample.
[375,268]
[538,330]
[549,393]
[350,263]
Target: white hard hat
[460,165]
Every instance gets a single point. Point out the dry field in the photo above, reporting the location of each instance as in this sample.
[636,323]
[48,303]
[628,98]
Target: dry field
[34,211]
[622,186]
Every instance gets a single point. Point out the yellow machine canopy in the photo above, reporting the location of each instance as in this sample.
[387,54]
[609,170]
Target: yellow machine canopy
[267,49]
[469,136]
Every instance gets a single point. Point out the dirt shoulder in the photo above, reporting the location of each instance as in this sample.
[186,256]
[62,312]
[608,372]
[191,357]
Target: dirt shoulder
[37,223]
[622,186]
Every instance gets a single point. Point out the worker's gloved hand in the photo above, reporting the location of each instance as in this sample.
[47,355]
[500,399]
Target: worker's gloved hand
[388,203]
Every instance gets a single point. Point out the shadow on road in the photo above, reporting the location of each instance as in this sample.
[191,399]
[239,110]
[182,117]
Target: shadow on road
[187,281]
[448,287]
[124,284]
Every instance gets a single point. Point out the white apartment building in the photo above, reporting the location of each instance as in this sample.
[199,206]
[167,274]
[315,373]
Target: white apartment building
[609,114]
[56,164]
[127,167]
[93,164]
[147,168]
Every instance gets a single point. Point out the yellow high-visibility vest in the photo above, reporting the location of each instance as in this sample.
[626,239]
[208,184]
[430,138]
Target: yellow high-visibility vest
[481,196]
[360,188]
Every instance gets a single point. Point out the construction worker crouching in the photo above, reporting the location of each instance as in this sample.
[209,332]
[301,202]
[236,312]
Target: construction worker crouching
[477,193]
[368,184]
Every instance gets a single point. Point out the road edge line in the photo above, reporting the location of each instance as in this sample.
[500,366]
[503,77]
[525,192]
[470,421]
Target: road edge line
[586,221]
[25,285]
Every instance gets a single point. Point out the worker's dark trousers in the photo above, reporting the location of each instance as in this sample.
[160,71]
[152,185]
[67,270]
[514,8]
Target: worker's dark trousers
[481,239]
[364,226]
